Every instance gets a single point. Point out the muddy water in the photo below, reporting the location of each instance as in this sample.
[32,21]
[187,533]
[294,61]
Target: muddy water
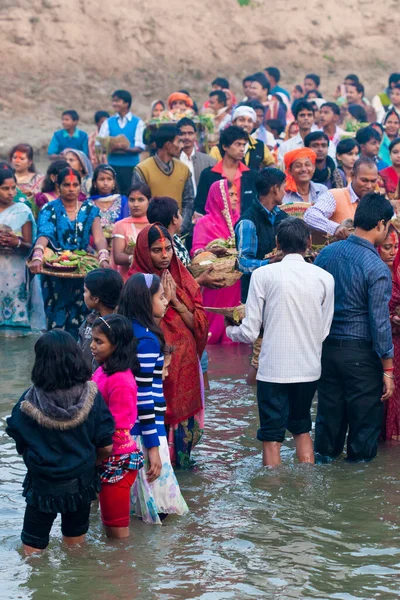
[329,531]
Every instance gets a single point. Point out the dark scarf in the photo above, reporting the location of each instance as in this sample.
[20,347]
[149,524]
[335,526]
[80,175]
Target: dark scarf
[329,172]
[60,409]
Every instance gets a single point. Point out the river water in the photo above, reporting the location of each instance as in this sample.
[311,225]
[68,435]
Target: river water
[330,531]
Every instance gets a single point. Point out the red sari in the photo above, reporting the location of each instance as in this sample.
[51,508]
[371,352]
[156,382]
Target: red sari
[182,388]
[390,181]
[391,427]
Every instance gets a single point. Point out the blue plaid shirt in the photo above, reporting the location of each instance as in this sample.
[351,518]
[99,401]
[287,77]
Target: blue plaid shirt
[247,243]
[363,287]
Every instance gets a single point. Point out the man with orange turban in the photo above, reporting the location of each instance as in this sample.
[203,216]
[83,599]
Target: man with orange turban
[299,169]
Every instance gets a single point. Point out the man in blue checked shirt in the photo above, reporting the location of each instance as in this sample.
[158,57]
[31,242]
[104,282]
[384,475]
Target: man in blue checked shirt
[357,357]
[255,237]
[255,231]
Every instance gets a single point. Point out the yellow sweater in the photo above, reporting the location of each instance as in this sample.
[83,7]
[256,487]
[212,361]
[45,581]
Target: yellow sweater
[161,184]
[268,159]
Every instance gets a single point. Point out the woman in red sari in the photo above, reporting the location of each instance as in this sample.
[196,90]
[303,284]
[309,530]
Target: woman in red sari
[218,223]
[185,328]
[390,175]
[389,252]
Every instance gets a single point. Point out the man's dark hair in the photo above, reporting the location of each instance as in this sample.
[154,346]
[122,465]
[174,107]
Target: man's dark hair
[315,78]
[186,122]
[59,362]
[230,135]
[308,95]
[106,285]
[358,86]
[293,235]
[123,95]
[267,178]
[397,86]
[347,145]
[299,88]
[222,99]
[352,77]
[255,105]
[164,134]
[302,105]
[162,209]
[247,78]
[371,209]
[364,160]
[276,125]
[71,113]
[261,79]
[394,78]
[222,82]
[314,136]
[358,112]
[274,72]
[100,114]
[394,143]
[333,106]
[365,134]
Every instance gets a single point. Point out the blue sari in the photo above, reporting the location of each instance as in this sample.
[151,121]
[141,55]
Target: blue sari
[63,298]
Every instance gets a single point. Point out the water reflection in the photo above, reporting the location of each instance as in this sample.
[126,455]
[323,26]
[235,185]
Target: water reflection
[329,531]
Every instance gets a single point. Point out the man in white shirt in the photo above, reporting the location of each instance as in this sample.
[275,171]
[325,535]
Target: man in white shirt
[304,116]
[293,301]
[196,161]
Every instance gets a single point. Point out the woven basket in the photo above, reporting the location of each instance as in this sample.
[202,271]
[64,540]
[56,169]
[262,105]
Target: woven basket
[295,209]
[235,313]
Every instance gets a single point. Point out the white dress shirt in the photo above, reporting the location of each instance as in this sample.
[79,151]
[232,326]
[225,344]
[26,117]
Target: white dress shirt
[188,161]
[297,142]
[294,302]
[122,121]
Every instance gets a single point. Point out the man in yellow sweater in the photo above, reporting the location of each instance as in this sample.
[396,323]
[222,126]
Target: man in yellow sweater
[166,175]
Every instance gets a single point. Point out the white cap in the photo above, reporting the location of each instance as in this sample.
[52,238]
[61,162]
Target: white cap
[244,111]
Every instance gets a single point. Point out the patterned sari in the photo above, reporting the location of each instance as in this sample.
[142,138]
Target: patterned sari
[21,303]
[63,298]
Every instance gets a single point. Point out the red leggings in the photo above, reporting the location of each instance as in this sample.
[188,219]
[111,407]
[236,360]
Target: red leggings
[115,501]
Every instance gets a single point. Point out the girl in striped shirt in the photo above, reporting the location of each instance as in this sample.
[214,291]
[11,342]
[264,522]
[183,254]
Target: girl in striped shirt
[156,492]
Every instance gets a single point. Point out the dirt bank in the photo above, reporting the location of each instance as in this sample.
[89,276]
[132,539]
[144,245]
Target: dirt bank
[59,55]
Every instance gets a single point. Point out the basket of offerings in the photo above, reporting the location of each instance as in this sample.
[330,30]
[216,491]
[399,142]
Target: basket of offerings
[295,209]
[226,266]
[130,247]
[221,247]
[109,143]
[234,313]
[68,263]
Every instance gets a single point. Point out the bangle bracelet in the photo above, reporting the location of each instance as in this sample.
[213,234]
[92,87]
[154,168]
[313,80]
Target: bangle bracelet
[388,376]
[180,310]
[19,243]
[388,370]
[39,247]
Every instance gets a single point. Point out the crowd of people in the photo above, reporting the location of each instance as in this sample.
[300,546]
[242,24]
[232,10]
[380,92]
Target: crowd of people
[304,191]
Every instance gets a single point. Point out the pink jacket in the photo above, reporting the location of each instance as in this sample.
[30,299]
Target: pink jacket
[120,394]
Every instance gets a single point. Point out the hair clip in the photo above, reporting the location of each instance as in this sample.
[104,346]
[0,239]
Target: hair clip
[104,321]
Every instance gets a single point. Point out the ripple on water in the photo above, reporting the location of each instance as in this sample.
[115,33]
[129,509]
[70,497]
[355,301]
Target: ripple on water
[323,532]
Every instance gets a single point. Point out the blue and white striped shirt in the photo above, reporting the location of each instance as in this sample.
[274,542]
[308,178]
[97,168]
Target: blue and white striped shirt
[151,402]
[363,287]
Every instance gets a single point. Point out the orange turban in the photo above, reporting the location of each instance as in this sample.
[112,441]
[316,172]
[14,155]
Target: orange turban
[289,159]
[180,96]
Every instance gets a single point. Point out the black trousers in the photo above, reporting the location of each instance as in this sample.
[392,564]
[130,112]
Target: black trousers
[37,525]
[124,179]
[349,398]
